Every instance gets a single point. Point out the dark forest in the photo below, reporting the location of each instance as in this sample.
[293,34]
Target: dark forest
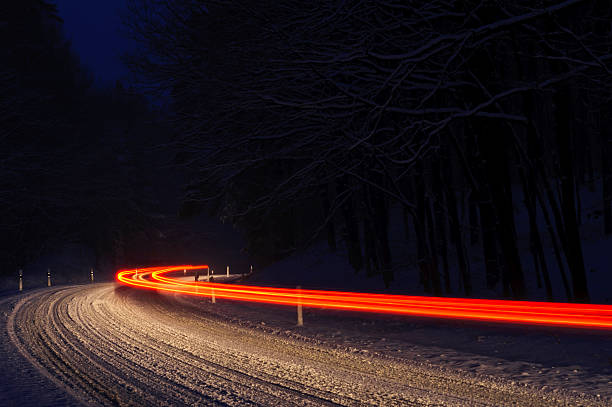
[299,122]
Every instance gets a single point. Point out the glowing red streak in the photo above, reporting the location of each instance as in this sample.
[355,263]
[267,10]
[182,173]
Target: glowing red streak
[530,312]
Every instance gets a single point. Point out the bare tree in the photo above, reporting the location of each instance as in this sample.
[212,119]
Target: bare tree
[362,99]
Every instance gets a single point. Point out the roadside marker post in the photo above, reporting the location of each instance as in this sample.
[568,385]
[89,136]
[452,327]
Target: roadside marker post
[20,280]
[212,290]
[300,319]
[185,272]
[228,271]
[91,277]
[48,277]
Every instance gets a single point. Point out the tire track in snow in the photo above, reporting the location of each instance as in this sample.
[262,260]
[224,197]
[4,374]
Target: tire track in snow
[157,352]
[118,346]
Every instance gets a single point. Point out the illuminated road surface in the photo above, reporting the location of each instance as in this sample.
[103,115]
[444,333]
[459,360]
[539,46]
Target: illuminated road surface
[589,316]
[107,344]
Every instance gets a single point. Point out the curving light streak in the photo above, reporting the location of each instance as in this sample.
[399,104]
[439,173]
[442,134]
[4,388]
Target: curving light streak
[525,312]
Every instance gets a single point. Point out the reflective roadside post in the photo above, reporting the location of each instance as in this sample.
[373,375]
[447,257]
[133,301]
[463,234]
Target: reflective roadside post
[227,271]
[48,277]
[91,278]
[184,272]
[20,280]
[300,319]
[212,289]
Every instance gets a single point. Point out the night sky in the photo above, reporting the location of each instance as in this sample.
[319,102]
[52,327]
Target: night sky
[94,29]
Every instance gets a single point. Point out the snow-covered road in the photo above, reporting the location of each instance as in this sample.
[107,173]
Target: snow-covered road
[106,344]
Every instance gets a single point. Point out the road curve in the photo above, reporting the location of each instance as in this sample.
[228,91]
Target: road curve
[114,345]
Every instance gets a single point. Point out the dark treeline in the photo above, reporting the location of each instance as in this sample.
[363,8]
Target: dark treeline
[335,120]
[307,119]
[70,153]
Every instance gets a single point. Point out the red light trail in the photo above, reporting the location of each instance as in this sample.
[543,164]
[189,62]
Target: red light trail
[521,312]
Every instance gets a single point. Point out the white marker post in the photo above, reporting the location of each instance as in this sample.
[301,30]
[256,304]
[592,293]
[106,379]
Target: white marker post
[251,272]
[91,278]
[185,272]
[212,290]
[20,280]
[208,274]
[48,277]
[300,319]
[228,271]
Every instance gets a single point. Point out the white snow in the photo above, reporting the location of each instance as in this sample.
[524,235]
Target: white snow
[104,344]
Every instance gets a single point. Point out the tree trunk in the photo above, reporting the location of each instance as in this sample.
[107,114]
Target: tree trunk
[529,173]
[440,218]
[434,269]
[381,226]
[331,232]
[535,241]
[557,246]
[480,195]
[423,251]
[472,196]
[603,29]
[352,228]
[494,152]
[563,119]
[606,168]
[533,152]
[455,231]
[370,259]
[406,219]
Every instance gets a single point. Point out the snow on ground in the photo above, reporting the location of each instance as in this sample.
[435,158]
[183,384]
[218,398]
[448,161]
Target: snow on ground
[106,345]
[545,358]
[21,384]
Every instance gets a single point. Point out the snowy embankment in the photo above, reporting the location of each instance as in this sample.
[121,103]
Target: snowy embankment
[318,267]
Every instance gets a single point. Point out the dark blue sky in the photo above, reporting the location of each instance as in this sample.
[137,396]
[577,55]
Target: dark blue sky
[93,27]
